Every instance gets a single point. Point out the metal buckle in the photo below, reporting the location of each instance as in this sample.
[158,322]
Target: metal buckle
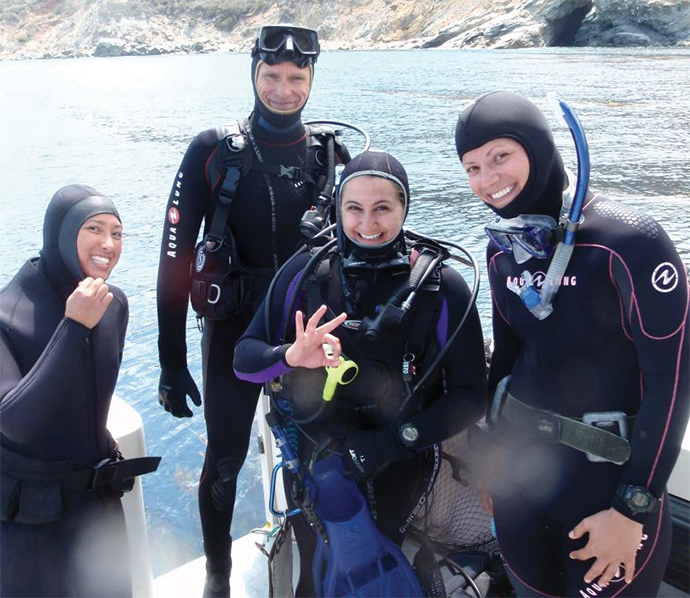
[604,419]
[102,474]
[291,172]
[212,244]
[615,422]
[236,142]
[548,426]
[216,288]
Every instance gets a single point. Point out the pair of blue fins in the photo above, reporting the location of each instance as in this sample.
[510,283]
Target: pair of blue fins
[358,560]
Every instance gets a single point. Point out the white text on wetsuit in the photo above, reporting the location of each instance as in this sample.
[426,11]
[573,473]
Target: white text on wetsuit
[172,231]
[593,589]
[538,279]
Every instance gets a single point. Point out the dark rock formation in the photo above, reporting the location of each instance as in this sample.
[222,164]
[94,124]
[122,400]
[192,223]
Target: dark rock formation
[636,23]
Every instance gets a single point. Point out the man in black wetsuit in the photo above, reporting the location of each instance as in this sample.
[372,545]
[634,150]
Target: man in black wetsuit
[578,510]
[62,332]
[262,228]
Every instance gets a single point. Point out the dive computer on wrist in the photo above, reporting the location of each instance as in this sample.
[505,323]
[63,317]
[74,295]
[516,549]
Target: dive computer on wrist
[637,498]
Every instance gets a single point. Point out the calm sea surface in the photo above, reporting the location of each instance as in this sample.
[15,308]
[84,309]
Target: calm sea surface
[123,124]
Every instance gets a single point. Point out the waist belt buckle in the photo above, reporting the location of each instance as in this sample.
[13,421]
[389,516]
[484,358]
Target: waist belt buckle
[615,422]
[547,426]
[103,474]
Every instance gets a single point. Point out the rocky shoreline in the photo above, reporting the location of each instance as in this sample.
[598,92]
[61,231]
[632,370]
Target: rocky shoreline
[32,29]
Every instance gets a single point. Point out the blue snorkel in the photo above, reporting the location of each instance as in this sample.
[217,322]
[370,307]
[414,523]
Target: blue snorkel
[582,151]
[539,302]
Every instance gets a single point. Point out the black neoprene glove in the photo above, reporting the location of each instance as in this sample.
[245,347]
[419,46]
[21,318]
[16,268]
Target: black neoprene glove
[174,386]
[366,453]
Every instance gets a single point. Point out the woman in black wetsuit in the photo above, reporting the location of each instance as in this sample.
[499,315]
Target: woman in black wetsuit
[62,331]
[578,512]
[395,448]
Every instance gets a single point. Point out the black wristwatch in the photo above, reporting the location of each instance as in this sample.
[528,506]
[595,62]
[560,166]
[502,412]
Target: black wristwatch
[408,434]
[637,498]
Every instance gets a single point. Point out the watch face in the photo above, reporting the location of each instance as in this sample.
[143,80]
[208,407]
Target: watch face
[639,499]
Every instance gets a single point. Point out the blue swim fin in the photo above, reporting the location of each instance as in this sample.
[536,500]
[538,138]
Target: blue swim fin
[358,560]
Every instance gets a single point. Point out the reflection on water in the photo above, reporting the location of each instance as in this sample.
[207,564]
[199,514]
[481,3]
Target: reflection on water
[123,124]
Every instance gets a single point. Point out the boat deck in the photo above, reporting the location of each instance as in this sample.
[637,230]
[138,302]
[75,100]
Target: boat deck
[249,577]
[249,574]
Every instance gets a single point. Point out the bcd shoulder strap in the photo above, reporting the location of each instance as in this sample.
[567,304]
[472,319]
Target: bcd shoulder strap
[420,346]
[234,152]
[233,161]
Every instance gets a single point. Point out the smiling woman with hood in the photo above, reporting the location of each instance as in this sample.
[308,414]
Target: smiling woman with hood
[385,422]
[62,331]
[592,382]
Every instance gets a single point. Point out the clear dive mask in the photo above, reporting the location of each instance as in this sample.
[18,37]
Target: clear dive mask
[525,236]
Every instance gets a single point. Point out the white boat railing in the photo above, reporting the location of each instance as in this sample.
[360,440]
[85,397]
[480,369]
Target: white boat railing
[127,428]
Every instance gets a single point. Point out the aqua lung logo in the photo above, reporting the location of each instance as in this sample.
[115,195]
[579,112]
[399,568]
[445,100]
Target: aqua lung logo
[538,278]
[200,260]
[174,217]
[353,324]
[665,277]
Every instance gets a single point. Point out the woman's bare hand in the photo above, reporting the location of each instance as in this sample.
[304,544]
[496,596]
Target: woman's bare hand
[308,349]
[88,302]
[613,541]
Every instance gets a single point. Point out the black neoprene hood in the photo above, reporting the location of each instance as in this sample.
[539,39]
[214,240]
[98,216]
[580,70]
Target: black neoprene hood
[67,211]
[506,114]
[380,164]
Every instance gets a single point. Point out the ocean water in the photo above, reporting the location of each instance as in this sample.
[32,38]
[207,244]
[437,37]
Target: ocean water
[122,125]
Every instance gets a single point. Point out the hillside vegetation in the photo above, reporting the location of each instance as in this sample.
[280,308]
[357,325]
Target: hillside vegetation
[49,28]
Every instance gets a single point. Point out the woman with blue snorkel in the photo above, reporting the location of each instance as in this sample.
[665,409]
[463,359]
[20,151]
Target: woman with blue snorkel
[590,318]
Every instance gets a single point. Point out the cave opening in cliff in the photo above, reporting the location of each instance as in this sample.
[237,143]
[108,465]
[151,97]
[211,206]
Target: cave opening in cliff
[566,28]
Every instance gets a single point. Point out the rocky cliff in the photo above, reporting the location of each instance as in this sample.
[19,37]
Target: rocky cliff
[64,28]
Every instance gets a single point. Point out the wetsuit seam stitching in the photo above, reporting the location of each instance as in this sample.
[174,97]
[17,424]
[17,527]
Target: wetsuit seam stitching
[667,424]
[633,295]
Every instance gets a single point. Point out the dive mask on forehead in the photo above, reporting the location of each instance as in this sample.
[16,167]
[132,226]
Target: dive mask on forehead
[526,236]
[278,43]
